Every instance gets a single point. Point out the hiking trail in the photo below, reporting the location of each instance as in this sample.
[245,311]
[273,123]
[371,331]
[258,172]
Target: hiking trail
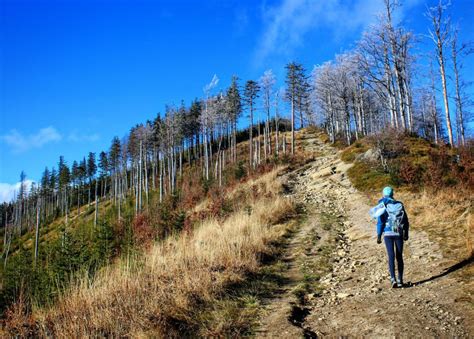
[352,297]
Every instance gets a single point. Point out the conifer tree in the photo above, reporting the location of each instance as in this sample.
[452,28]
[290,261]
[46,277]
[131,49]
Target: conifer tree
[250,95]
[267,81]
[234,108]
[91,171]
[104,170]
[295,85]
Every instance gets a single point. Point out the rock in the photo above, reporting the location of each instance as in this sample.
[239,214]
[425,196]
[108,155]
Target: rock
[344,295]
[370,156]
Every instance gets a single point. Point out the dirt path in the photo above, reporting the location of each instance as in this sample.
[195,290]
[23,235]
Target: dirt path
[353,296]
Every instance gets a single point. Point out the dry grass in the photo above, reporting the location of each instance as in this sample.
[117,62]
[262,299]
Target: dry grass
[162,293]
[446,215]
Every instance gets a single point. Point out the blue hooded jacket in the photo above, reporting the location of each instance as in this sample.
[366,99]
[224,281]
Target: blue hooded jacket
[382,220]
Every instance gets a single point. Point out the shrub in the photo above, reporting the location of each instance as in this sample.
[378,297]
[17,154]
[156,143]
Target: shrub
[409,173]
[390,145]
[366,177]
[207,184]
[20,323]
[239,171]
[350,153]
[143,233]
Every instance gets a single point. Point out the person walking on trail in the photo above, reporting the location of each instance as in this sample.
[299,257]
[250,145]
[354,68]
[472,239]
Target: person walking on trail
[393,224]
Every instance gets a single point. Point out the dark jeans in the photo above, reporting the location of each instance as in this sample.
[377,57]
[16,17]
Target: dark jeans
[394,247]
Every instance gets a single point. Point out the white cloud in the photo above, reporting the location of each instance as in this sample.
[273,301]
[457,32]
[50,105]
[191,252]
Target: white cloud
[21,143]
[9,191]
[287,24]
[75,137]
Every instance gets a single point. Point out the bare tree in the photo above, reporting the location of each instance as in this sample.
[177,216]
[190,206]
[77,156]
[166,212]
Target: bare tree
[440,36]
[234,108]
[461,99]
[294,82]
[267,81]
[206,123]
[276,103]
[38,206]
[250,95]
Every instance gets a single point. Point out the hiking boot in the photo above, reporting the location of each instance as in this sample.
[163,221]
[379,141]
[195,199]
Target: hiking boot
[399,283]
[393,283]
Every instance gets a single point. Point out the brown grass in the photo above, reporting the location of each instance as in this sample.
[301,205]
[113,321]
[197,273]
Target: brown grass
[349,154]
[446,215]
[164,292]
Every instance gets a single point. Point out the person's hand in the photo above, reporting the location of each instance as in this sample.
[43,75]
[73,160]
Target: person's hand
[405,236]
[379,239]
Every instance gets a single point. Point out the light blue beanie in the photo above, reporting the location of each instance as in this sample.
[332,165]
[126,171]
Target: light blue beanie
[388,192]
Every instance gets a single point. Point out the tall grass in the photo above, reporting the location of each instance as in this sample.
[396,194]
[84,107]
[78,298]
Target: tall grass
[163,292]
[446,215]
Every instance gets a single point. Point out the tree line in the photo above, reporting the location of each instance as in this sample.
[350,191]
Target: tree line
[377,84]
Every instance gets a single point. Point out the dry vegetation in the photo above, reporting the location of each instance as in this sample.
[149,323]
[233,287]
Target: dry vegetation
[165,291]
[435,183]
[446,215]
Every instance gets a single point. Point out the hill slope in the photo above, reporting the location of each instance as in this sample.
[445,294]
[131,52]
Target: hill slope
[288,253]
[353,298]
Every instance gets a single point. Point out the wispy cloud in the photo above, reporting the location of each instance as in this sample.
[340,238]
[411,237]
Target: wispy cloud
[21,143]
[77,137]
[287,24]
[9,191]
[241,21]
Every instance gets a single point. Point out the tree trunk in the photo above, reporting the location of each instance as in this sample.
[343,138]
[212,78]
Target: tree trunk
[251,136]
[37,230]
[292,124]
[458,99]
[96,205]
[445,97]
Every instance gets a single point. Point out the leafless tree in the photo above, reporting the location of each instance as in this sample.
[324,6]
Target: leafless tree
[440,35]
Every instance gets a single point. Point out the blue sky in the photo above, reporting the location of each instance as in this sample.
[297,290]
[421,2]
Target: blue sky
[73,74]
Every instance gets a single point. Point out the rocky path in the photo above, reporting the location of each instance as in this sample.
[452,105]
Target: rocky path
[353,297]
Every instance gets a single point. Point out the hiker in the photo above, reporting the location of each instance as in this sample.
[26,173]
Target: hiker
[393,224]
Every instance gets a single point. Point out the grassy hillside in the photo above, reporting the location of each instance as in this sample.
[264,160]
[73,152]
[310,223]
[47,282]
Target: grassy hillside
[434,182]
[191,247]
[198,262]
[174,286]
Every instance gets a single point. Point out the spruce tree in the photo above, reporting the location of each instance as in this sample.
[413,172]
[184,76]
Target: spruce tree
[295,80]
[91,171]
[234,109]
[250,95]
